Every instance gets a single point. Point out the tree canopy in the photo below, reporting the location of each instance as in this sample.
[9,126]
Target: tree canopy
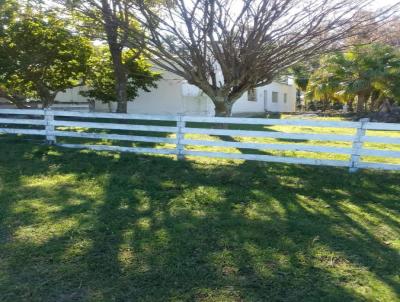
[227,47]
[108,20]
[366,73]
[100,79]
[40,57]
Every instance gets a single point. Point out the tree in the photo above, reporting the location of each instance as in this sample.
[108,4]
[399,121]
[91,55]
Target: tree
[365,73]
[101,80]
[110,18]
[324,82]
[40,57]
[301,73]
[227,47]
[8,9]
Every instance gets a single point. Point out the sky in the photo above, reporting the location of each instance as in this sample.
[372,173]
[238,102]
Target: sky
[383,3]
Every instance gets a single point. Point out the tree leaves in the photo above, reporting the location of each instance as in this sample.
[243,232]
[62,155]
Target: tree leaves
[40,57]
[101,79]
[368,70]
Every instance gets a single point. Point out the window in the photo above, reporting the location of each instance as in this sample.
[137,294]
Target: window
[252,95]
[275,97]
[285,98]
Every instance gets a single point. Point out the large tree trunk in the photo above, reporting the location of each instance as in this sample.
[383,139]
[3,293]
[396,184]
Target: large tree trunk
[48,101]
[121,88]
[361,101]
[350,104]
[111,28]
[223,109]
[121,80]
[46,96]
[375,101]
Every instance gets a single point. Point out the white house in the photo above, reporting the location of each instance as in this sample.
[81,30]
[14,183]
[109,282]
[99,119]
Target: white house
[174,96]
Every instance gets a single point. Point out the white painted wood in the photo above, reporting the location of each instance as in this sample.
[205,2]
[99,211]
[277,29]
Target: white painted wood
[357,146]
[112,126]
[118,137]
[264,121]
[120,116]
[268,158]
[180,130]
[49,119]
[22,131]
[22,111]
[381,139]
[22,121]
[382,126]
[180,148]
[294,136]
[119,149]
[259,146]
[380,166]
[382,153]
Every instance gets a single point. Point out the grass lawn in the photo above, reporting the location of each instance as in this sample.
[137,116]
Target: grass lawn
[98,226]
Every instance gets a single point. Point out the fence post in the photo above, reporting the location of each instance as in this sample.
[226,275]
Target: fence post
[357,145]
[49,118]
[180,136]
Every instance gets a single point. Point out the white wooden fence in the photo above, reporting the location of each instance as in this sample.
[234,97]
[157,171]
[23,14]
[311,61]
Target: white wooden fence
[56,124]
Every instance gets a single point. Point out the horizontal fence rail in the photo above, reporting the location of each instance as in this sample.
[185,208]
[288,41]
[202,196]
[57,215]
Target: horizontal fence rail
[173,138]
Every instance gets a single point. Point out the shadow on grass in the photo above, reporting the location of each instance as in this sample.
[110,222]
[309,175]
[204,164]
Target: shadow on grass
[86,226]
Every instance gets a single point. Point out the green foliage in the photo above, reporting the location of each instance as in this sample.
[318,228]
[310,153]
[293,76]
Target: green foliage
[302,73]
[40,57]
[8,9]
[366,73]
[325,81]
[101,79]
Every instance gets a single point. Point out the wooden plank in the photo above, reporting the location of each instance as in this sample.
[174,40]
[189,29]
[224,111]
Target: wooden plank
[22,121]
[22,131]
[264,121]
[381,139]
[119,137]
[357,146]
[49,118]
[270,134]
[112,126]
[268,158]
[259,146]
[382,153]
[22,111]
[180,136]
[121,116]
[380,166]
[119,149]
[383,126]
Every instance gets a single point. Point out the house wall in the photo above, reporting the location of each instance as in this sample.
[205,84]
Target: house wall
[167,98]
[280,106]
[174,96]
[71,95]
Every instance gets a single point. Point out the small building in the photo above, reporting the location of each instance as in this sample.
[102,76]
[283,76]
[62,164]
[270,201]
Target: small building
[174,95]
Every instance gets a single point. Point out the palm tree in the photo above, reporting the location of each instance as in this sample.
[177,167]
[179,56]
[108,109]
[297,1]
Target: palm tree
[369,72]
[324,82]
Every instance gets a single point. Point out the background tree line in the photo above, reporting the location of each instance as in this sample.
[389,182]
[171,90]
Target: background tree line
[365,75]
[42,54]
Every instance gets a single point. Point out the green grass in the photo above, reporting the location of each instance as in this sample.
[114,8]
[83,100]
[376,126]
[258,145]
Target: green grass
[98,226]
